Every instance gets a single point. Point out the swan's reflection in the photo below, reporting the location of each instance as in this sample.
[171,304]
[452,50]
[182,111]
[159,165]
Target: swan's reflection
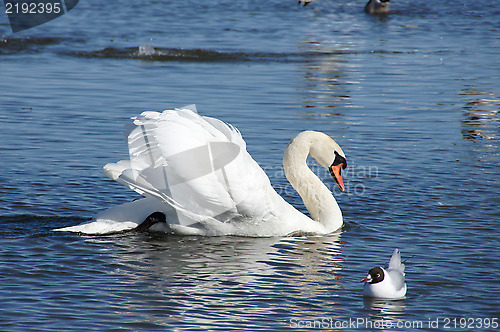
[305,273]
[199,279]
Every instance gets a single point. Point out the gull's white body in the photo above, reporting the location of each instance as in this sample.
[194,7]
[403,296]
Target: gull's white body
[393,285]
[169,153]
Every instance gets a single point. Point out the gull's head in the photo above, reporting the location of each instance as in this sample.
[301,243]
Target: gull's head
[374,276]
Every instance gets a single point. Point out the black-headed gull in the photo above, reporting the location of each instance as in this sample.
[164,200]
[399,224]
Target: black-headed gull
[386,284]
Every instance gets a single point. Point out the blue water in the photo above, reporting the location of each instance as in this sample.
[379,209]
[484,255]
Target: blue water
[413,99]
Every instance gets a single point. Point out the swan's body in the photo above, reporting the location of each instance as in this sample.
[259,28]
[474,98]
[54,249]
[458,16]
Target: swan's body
[386,284]
[197,172]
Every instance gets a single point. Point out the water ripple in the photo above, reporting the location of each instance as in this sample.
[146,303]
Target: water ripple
[150,53]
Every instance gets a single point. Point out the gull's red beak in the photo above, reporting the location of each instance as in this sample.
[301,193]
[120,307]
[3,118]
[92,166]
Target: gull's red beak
[336,172]
[368,278]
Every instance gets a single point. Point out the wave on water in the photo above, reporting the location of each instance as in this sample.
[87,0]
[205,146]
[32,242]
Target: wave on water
[9,46]
[28,44]
[151,53]
[26,225]
[148,52]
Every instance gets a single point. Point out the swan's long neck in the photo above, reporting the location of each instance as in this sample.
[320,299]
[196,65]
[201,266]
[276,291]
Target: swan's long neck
[317,198]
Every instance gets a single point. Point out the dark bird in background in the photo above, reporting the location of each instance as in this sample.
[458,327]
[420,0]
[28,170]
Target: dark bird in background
[372,7]
[377,7]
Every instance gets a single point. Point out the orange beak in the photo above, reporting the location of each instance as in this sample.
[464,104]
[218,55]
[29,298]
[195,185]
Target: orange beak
[336,172]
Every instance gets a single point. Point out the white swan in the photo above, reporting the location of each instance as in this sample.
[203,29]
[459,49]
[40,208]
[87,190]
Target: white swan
[196,171]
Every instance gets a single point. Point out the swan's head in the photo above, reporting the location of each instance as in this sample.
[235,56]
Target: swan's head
[329,155]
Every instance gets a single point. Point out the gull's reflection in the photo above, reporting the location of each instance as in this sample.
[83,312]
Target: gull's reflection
[387,310]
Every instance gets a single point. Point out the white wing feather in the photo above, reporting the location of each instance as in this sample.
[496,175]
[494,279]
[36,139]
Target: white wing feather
[396,270]
[181,158]
[395,262]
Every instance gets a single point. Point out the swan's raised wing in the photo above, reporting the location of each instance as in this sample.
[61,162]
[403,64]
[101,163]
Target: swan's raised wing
[197,165]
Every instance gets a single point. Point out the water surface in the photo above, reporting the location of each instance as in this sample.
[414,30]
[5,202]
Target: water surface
[413,99]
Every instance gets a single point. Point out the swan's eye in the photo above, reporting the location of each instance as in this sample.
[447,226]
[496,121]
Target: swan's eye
[339,160]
